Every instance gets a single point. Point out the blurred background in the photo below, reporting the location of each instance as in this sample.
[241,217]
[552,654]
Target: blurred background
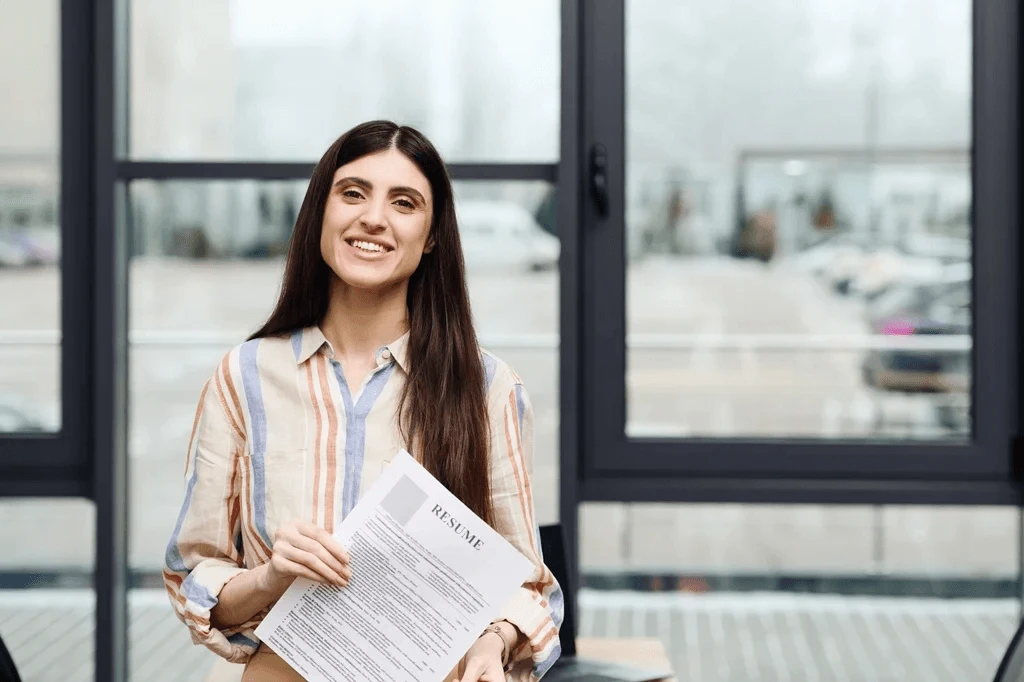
[798,265]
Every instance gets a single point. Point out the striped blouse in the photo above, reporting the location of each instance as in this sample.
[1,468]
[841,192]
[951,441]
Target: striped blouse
[278,435]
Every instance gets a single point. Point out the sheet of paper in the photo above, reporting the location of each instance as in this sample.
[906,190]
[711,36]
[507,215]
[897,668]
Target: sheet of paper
[427,576]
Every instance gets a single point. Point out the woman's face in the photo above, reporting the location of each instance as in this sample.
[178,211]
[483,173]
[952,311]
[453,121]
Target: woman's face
[377,221]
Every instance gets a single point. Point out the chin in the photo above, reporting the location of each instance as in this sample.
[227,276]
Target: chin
[360,279]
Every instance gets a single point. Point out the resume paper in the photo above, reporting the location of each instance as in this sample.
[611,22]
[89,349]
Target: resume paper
[428,575]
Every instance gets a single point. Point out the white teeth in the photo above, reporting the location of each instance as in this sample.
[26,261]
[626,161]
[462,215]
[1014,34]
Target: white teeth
[367,246]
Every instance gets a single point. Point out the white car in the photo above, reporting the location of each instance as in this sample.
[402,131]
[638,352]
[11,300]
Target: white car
[504,234]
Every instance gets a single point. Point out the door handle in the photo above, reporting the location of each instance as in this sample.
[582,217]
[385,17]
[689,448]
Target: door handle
[599,178]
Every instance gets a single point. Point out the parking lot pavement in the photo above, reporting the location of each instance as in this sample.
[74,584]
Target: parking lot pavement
[687,392]
[709,638]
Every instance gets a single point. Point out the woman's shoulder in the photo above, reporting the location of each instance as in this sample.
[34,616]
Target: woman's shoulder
[255,357]
[498,374]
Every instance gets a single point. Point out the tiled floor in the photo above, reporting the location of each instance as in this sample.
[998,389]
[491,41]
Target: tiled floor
[710,638]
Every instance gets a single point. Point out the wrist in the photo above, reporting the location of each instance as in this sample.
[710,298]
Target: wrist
[499,635]
[268,581]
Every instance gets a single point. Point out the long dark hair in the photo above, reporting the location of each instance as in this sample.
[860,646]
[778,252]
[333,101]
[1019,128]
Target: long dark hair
[442,411]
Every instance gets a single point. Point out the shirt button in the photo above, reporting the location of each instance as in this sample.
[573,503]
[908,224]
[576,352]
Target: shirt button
[386,354]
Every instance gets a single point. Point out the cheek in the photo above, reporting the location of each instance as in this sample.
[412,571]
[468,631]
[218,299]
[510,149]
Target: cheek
[416,235]
[330,229]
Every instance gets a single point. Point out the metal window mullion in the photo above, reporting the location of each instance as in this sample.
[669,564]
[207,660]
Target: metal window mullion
[571,330]
[109,327]
[269,171]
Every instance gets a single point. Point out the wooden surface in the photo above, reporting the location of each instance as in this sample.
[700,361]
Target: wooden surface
[644,652]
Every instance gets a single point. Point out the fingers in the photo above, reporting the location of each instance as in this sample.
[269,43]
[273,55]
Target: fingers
[289,567]
[312,562]
[306,545]
[313,547]
[329,542]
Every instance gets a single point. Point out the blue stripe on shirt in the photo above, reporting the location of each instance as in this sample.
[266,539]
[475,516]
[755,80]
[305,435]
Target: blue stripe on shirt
[355,430]
[248,359]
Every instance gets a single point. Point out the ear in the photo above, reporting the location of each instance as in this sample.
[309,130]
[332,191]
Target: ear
[429,246]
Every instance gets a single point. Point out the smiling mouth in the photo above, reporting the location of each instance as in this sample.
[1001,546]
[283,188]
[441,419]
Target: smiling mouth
[368,247]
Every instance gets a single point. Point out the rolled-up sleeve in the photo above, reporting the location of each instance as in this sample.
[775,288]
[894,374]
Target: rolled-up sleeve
[204,551]
[536,608]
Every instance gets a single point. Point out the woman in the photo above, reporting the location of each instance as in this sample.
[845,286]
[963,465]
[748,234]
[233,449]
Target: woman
[371,348]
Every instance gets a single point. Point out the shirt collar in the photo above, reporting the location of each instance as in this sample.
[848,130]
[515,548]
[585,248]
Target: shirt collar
[307,342]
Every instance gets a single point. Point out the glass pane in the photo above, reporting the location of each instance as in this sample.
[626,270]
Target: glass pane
[798,234]
[29,230]
[221,244]
[47,604]
[261,80]
[805,593]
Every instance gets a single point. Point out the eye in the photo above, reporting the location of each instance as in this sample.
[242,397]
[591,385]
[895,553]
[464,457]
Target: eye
[352,194]
[405,203]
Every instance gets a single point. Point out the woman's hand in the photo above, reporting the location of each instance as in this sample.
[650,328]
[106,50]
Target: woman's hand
[483,660]
[303,550]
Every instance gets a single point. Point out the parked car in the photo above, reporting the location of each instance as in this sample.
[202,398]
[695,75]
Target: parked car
[503,233]
[925,311]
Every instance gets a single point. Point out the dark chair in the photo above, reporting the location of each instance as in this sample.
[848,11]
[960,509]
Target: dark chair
[8,673]
[1011,668]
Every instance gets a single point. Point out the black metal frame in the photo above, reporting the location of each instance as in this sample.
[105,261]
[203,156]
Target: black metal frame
[616,467]
[58,464]
[88,457]
[256,170]
[570,213]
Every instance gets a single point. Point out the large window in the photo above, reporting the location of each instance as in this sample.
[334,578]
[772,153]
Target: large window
[789,274]
[29,218]
[782,273]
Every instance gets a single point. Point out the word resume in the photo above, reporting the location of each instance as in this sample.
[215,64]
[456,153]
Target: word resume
[427,576]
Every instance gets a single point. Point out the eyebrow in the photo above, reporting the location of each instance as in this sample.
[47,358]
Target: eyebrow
[368,186]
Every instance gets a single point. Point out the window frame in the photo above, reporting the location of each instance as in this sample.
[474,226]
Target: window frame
[618,468]
[59,463]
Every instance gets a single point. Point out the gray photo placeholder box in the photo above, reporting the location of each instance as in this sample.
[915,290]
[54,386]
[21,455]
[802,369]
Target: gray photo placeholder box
[404,500]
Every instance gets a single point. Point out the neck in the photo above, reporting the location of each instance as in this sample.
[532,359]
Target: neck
[358,322]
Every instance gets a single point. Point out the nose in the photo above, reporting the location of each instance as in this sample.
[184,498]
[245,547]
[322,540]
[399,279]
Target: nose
[374,217]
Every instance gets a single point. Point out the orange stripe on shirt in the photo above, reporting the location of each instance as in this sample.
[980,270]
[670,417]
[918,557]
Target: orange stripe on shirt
[318,417]
[517,431]
[171,576]
[515,470]
[542,644]
[234,508]
[195,425]
[332,445]
[237,414]
[227,410]
[546,577]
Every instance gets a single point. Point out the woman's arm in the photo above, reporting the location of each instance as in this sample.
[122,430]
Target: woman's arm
[203,553]
[534,613]
[301,550]
[244,596]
